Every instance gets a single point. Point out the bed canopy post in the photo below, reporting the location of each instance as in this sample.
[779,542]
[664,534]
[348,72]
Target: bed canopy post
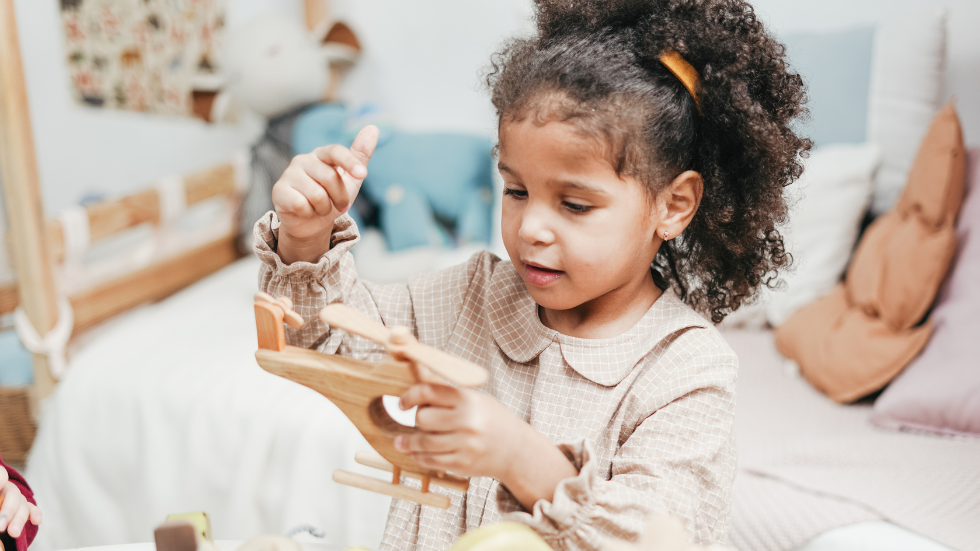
[22,189]
[315,11]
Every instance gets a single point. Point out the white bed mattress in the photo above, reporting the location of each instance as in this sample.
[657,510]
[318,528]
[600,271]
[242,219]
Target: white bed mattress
[166,411]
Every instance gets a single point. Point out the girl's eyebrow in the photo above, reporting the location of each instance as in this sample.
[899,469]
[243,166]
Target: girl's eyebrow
[581,186]
[567,184]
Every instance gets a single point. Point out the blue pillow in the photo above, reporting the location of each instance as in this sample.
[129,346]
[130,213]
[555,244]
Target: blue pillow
[15,361]
[837,70]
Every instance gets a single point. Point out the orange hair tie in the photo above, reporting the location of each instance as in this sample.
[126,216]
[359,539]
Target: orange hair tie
[684,73]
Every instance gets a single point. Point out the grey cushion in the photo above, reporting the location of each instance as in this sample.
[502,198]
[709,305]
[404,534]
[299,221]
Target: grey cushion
[837,70]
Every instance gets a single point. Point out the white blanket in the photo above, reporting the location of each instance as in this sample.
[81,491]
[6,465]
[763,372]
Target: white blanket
[166,411]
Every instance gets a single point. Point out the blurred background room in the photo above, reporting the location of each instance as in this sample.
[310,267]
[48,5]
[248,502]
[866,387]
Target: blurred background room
[140,140]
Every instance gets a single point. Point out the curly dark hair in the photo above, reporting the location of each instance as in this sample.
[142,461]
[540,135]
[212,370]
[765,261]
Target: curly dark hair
[595,64]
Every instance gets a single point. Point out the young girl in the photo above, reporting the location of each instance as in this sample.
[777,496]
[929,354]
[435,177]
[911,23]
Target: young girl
[644,146]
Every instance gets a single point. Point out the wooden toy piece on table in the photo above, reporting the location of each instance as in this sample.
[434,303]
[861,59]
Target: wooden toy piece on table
[184,535]
[357,388]
[185,532]
[179,535]
[200,520]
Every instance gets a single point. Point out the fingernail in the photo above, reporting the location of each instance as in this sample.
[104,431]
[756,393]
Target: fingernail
[401,404]
[399,443]
[359,171]
[3,522]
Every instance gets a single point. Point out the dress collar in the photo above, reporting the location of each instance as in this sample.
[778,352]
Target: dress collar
[518,330]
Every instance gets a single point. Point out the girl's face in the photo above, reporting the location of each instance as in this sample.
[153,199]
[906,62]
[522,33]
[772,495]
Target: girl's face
[574,229]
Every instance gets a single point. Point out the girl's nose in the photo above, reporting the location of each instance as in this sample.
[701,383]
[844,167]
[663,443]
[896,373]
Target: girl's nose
[535,229]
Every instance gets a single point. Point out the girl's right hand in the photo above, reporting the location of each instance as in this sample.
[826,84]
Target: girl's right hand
[315,190]
[15,510]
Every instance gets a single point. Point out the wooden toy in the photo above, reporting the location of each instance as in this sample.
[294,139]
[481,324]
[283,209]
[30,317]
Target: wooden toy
[200,520]
[184,535]
[177,535]
[357,388]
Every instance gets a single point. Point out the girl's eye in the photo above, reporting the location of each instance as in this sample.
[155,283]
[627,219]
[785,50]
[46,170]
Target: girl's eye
[576,208]
[516,193]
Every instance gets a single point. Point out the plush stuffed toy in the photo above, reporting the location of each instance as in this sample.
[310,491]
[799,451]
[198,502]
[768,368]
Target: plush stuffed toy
[426,188]
[275,67]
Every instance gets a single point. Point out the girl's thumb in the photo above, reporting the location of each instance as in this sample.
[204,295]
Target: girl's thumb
[365,142]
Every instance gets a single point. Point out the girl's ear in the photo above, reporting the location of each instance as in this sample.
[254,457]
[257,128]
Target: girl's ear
[678,202]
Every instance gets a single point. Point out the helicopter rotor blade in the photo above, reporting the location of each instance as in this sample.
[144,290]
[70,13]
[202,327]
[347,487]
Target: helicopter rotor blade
[291,318]
[445,365]
[264,297]
[442,363]
[352,321]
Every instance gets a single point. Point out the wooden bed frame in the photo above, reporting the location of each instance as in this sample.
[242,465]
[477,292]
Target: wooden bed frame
[36,244]
[153,282]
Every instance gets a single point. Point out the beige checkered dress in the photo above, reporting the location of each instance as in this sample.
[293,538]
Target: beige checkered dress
[645,416]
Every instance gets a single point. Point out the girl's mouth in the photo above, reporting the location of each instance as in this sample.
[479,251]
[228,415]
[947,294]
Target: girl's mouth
[541,277]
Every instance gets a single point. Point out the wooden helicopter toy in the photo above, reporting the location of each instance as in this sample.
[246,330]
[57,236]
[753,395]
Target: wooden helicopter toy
[357,388]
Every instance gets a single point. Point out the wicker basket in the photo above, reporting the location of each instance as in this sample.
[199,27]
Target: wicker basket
[17,426]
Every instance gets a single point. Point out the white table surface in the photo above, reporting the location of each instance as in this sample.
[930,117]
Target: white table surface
[222,545]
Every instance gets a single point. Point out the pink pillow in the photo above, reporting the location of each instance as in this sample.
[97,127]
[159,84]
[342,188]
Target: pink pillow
[940,390]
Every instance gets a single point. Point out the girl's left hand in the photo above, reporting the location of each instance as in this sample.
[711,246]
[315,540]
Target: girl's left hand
[471,434]
[15,510]
[461,430]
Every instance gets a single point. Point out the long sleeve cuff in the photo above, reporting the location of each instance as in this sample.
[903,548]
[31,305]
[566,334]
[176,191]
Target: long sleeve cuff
[310,286]
[579,511]
[266,243]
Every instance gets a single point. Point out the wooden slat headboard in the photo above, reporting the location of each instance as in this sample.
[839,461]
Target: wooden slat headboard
[8,298]
[110,217]
[153,282]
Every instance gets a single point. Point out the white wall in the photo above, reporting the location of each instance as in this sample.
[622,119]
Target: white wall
[422,63]
[423,59]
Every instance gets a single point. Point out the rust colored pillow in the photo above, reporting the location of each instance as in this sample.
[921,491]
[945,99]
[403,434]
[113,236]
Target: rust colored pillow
[854,341]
